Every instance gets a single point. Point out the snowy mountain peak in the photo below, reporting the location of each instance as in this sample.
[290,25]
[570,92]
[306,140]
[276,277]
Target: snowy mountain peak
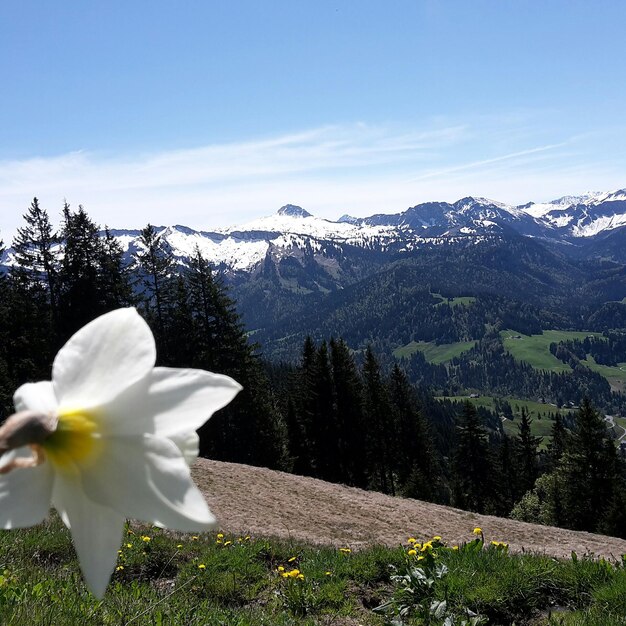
[293,210]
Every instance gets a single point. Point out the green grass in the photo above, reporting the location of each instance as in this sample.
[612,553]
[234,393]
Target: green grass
[434,353]
[540,427]
[161,582]
[535,350]
[457,301]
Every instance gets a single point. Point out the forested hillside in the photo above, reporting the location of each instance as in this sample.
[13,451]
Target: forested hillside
[342,407]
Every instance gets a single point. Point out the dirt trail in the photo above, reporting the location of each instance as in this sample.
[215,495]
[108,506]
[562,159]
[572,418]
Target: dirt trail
[266,503]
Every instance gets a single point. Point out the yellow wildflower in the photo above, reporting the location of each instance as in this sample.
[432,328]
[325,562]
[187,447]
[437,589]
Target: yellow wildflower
[220,535]
[294,573]
[412,552]
[455,547]
[201,566]
[145,538]
[300,576]
[436,538]
[119,568]
[280,568]
[227,543]
[292,559]
[411,540]
[129,545]
[180,545]
[478,531]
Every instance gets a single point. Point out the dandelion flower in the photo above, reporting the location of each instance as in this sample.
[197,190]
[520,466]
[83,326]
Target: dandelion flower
[411,540]
[110,437]
[412,552]
[478,531]
[201,566]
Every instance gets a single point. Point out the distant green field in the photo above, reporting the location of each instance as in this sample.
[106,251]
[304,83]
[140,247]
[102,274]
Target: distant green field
[533,408]
[615,375]
[535,349]
[540,427]
[434,353]
[458,301]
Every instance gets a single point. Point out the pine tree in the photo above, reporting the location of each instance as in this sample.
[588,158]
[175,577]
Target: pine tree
[379,427]
[472,466]
[589,471]
[250,429]
[304,398]
[324,431]
[156,266]
[526,448]
[348,392]
[115,276]
[558,442]
[36,256]
[81,288]
[413,451]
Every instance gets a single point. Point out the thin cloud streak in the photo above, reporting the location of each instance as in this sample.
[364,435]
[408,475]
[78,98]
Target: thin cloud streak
[358,169]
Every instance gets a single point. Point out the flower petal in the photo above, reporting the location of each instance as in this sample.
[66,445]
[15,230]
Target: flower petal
[169,401]
[102,359]
[188,444]
[97,531]
[35,397]
[147,478]
[25,492]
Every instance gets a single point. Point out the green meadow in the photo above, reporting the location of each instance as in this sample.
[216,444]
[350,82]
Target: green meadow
[223,580]
[457,301]
[535,350]
[433,352]
[540,427]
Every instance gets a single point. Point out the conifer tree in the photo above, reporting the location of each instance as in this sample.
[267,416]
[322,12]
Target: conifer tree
[472,465]
[589,471]
[251,428]
[379,427]
[115,276]
[156,266]
[526,448]
[36,257]
[304,404]
[324,431]
[349,414]
[81,288]
[413,452]
[508,490]
[558,442]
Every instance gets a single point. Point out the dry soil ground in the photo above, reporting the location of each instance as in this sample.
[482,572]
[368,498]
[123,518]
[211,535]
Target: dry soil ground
[266,503]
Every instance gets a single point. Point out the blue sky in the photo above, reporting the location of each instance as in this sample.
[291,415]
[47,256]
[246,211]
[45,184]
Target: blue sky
[211,113]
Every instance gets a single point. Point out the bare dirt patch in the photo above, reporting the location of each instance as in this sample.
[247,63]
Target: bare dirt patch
[266,503]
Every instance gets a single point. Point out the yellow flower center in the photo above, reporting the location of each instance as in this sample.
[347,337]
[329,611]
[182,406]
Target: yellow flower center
[75,440]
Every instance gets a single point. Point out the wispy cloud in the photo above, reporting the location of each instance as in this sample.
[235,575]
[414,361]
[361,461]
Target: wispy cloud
[356,168]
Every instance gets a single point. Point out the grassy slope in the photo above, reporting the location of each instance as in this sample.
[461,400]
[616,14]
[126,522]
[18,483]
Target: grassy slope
[434,353]
[540,427]
[234,579]
[535,349]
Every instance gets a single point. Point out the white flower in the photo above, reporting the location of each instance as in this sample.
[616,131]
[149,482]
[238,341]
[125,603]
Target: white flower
[122,446]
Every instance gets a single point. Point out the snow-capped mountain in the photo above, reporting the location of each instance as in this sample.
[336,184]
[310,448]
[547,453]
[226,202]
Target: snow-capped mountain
[582,216]
[292,233]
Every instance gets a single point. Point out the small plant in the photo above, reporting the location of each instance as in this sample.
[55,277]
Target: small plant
[415,582]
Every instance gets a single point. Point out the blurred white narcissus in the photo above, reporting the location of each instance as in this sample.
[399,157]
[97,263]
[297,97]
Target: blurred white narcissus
[110,437]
